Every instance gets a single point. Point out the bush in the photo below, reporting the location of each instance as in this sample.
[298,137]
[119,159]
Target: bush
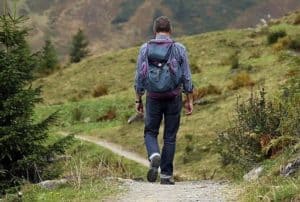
[240,80]
[274,36]
[282,43]
[204,91]
[297,19]
[100,90]
[194,66]
[76,114]
[295,43]
[261,130]
[232,60]
[111,114]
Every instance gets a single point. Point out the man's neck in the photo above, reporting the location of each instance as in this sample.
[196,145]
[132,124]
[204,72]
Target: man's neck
[163,33]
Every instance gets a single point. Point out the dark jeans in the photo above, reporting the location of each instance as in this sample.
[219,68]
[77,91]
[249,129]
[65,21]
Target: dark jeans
[170,109]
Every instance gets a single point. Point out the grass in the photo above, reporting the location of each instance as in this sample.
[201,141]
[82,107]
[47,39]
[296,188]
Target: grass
[271,186]
[90,191]
[196,158]
[86,170]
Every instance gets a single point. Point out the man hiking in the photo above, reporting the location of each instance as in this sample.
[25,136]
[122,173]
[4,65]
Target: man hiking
[163,73]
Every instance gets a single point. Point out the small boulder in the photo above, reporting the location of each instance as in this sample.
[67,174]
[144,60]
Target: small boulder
[52,184]
[136,118]
[253,174]
[290,168]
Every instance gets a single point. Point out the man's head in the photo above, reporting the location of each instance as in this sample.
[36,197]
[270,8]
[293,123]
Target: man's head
[162,25]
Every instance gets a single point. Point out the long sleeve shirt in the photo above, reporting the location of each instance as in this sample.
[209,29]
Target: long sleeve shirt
[179,53]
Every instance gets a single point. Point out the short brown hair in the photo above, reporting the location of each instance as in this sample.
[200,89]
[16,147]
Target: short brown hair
[162,24]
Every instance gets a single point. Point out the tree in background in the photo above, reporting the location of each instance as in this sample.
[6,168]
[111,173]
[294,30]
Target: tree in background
[79,46]
[49,60]
[24,143]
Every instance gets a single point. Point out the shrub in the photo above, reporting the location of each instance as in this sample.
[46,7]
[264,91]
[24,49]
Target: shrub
[275,35]
[297,19]
[100,90]
[111,114]
[232,60]
[240,80]
[295,43]
[195,68]
[76,114]
[261,129]
[282,43]
[204,91]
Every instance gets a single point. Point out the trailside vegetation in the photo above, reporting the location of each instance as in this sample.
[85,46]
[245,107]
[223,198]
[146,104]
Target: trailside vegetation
[25,149]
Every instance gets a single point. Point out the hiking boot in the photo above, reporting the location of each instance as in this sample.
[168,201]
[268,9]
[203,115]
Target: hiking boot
[166,181]
[153,170]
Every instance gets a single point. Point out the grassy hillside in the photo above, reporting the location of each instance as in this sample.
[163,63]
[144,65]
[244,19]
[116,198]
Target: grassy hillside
[115,24]
[213,60]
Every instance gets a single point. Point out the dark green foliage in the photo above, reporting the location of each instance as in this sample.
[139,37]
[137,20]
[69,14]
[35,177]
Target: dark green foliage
[48,60]
[275,35]
[295,43]
[23,147]
[79,46]
[261,129]
[128,7]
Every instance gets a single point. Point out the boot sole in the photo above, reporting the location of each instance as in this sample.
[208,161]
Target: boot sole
[153,171]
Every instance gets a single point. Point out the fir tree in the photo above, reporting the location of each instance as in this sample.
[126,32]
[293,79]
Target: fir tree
[49,60]
[79,46]
[23,141]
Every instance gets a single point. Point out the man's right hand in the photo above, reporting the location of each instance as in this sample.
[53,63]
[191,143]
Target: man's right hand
[189,107]
[189,104]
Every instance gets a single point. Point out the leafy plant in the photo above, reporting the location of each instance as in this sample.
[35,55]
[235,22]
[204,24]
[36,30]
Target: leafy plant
[204,91]
[240,80]
[297,19]
[100,90]
[232,60]
[275,35]
[261,130]
[295,43]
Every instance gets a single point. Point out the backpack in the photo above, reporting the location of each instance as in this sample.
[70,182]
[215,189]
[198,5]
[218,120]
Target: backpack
[161,70]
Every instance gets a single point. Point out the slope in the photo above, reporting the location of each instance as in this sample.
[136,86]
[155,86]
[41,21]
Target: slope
[71,91]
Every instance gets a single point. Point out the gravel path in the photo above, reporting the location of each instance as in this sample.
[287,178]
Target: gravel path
[181,191]
[135,191]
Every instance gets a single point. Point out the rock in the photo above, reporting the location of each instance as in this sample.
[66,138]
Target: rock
[52,184]
[135,118]
[253,174]
[290,168]
[202,101]
[87,120]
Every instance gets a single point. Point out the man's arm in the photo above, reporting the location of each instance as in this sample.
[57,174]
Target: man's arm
[187,82]
[139,87]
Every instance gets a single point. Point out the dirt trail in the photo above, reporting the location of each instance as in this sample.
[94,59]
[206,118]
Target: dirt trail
[115,149]
[136,191]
